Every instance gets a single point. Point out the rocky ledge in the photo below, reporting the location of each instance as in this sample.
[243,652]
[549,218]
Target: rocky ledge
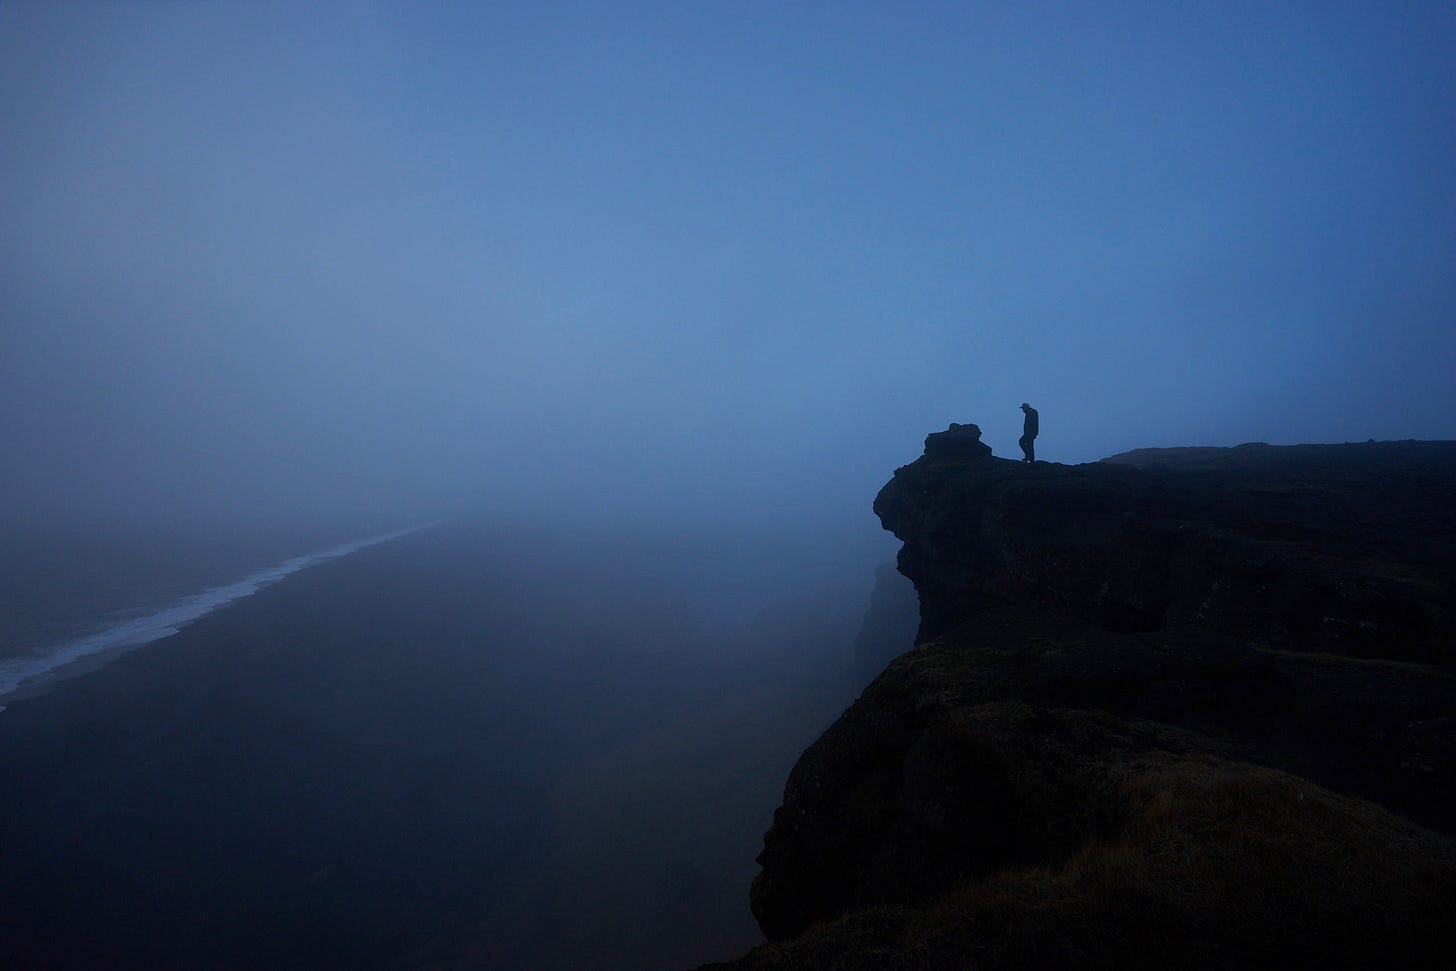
[1183,707]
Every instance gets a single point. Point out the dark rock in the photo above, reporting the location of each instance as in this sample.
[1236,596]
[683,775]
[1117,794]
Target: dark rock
[958,443]
[893,805]
[1026,837]
[1189,708]
[1349,549]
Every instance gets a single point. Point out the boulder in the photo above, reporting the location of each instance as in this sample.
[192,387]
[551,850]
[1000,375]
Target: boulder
[958,443]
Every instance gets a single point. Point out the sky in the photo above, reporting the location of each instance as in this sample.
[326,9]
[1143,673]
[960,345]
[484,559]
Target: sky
[716,262]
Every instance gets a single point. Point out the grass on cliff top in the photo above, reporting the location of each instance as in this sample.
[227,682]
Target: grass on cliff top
[1216,867]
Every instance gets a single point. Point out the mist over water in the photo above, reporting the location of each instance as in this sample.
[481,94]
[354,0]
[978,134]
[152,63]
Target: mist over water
[53,660]
[529,750]
[643,303]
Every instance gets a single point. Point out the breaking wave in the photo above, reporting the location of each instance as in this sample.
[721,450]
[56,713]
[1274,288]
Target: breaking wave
[16,672]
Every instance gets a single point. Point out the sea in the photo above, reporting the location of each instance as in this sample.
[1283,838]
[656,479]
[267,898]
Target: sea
[69,602]
[525,750]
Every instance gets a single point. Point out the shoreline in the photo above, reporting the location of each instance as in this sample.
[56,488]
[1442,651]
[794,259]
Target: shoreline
[26,676]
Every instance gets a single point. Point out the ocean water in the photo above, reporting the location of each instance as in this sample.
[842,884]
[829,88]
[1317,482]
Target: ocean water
[475,731]
[142,623]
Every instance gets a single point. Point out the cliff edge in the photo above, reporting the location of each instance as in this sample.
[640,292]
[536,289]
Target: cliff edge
[1187,707]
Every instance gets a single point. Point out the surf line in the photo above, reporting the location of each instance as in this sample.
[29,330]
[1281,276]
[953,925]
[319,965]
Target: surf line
[29,672]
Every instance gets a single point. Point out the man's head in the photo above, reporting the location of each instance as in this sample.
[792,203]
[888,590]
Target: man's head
[1025,406]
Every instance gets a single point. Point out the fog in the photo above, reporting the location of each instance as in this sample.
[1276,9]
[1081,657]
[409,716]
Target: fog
[687,264]
[464,747]
[641,304]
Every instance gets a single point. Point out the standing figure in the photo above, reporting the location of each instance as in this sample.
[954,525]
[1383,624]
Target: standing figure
[1028,433]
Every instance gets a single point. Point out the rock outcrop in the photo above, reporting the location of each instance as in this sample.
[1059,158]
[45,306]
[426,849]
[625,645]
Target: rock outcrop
[1340,548]
[958,443]
[1188,707]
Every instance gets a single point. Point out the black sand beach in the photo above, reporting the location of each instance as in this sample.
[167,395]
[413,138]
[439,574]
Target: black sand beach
[412,757]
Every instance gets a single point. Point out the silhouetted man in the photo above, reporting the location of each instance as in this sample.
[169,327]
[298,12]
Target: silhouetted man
[1028,433]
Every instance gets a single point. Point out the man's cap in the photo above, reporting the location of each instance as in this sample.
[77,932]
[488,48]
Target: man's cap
[1025,405]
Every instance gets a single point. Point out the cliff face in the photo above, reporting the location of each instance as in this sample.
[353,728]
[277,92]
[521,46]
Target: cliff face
[1191,707]
[1340,548]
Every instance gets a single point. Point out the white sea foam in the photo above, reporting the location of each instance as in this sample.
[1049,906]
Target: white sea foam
[16,672]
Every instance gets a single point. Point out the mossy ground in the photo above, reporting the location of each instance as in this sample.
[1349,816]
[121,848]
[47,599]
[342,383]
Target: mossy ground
[1214,865]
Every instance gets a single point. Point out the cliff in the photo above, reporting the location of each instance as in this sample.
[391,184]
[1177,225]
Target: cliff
[1187,707]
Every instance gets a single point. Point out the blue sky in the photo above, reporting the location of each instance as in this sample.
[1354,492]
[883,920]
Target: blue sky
[717,261]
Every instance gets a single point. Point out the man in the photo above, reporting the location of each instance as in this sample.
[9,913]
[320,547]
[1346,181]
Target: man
[1028,433]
